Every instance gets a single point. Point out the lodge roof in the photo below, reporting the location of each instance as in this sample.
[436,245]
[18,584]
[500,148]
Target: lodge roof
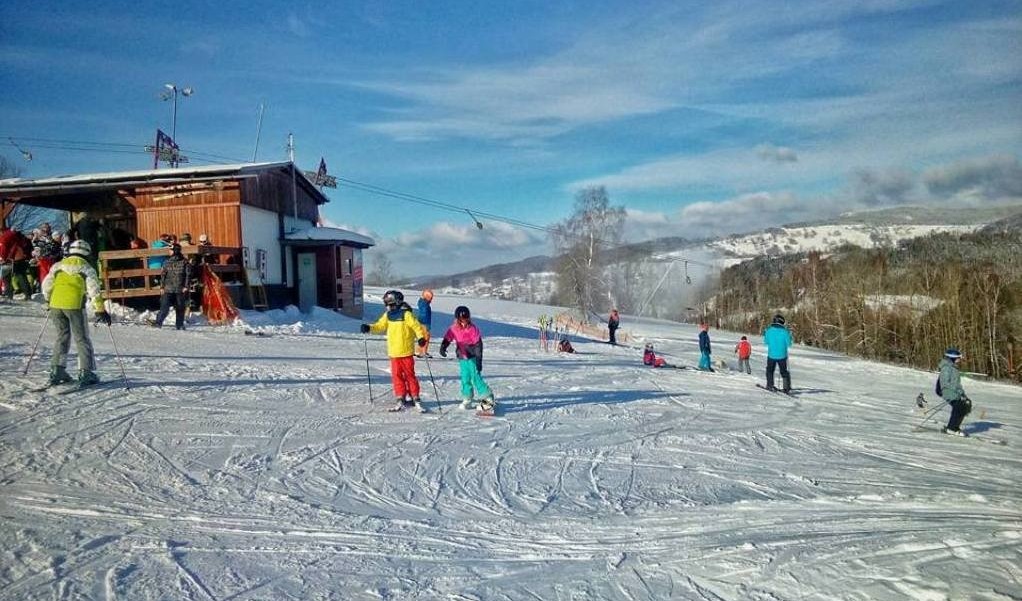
[64,184]
[328,235]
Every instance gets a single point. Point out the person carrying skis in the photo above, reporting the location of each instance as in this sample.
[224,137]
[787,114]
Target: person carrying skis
[777,339]
[403,331]
[704,347]
[744,350]
[425,316]
[468,344]
[67,282]
[613,323]
[949,385]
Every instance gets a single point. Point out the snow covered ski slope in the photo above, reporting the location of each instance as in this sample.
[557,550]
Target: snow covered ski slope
[249,467]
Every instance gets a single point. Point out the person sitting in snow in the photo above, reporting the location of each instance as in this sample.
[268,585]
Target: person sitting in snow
[564,346]
[403,332]
[468,344]
[649,357]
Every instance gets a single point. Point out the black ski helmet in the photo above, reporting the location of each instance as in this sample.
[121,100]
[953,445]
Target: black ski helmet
[393,297]
[462,311]
[779,319]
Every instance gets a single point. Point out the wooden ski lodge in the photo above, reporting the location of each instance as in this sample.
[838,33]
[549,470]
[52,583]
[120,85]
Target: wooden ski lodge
[260,218]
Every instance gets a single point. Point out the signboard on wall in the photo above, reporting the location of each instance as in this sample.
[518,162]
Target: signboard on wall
[356,276]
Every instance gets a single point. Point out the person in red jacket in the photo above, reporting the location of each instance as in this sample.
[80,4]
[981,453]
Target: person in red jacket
[15,253]
[744,350]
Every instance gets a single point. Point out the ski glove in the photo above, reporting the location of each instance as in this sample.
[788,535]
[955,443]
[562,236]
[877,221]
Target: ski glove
[364,328]
[420,341]
[443,348]
[103,317]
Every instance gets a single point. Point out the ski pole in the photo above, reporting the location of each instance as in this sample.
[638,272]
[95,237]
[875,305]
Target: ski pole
[369,378]
[46,320]
[124,376]
[930,414]
[436,392]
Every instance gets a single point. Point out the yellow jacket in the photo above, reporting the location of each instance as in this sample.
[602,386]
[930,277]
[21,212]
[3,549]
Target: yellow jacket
[69,282]
[402,329]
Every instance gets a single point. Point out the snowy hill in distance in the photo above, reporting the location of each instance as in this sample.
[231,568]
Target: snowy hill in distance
[866,229]
[532,280]
[259,467]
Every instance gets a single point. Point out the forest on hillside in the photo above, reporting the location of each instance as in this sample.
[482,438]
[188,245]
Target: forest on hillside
[903,304]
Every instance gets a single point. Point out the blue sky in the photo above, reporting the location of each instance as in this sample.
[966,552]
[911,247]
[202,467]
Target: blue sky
[701,118]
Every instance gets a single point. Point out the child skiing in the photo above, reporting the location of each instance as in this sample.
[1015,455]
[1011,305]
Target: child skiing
[425,316]
[704,347]
[950,389]
[65,287]
[613,323]
[403,332]
[468,343]
[744,350]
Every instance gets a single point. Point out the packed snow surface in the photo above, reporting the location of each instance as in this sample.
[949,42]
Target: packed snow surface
[234,466]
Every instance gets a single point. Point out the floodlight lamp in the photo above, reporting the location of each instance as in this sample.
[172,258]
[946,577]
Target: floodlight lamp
[187,91]
[170,86]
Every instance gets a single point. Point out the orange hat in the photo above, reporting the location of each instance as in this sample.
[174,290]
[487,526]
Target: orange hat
[427,294]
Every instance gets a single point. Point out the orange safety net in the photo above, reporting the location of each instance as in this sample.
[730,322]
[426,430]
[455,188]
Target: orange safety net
[216,301]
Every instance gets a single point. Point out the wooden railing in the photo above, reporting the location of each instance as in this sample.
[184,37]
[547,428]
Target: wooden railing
[126,273]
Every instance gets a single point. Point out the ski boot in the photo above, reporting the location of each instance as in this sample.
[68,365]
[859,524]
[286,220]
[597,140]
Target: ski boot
[467,403]
[487,407]
[59,375]
[87,377]
[399,404]
[417,402]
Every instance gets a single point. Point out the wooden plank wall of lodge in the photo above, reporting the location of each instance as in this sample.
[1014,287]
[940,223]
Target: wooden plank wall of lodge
[212,208]
[273,191]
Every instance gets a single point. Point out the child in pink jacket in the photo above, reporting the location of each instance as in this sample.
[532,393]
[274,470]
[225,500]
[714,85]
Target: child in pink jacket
[469,349]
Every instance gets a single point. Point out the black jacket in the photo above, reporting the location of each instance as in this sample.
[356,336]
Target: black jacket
[177,273]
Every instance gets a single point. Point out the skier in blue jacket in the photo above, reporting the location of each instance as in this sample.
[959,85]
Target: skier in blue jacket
[425,314]
[704,347]
[777,339]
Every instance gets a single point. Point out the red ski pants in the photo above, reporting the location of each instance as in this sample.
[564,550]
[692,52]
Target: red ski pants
[402,375]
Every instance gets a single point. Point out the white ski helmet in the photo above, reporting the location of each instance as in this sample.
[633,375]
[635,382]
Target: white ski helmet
[80,248]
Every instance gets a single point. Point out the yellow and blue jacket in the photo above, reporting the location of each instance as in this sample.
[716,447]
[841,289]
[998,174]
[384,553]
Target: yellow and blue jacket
[402,329]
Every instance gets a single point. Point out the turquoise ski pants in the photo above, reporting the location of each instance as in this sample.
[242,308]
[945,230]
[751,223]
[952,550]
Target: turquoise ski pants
[471,380]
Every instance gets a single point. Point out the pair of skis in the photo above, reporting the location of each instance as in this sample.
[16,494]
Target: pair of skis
[66,387]
[790,393]
[491,412]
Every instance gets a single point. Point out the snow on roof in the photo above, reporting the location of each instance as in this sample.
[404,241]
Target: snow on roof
[330,234]
[169,174]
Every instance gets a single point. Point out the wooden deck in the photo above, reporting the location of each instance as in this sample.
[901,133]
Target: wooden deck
[126,273]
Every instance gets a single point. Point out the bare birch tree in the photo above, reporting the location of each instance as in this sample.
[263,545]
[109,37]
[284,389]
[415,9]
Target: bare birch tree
[594,227]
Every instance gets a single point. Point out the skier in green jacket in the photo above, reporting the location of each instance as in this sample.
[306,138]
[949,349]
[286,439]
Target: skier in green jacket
[65,288]
[950,383]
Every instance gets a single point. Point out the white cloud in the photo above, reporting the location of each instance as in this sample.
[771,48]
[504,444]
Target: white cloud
[776,154]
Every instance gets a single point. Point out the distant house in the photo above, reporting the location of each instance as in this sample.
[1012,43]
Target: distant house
[260,217]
